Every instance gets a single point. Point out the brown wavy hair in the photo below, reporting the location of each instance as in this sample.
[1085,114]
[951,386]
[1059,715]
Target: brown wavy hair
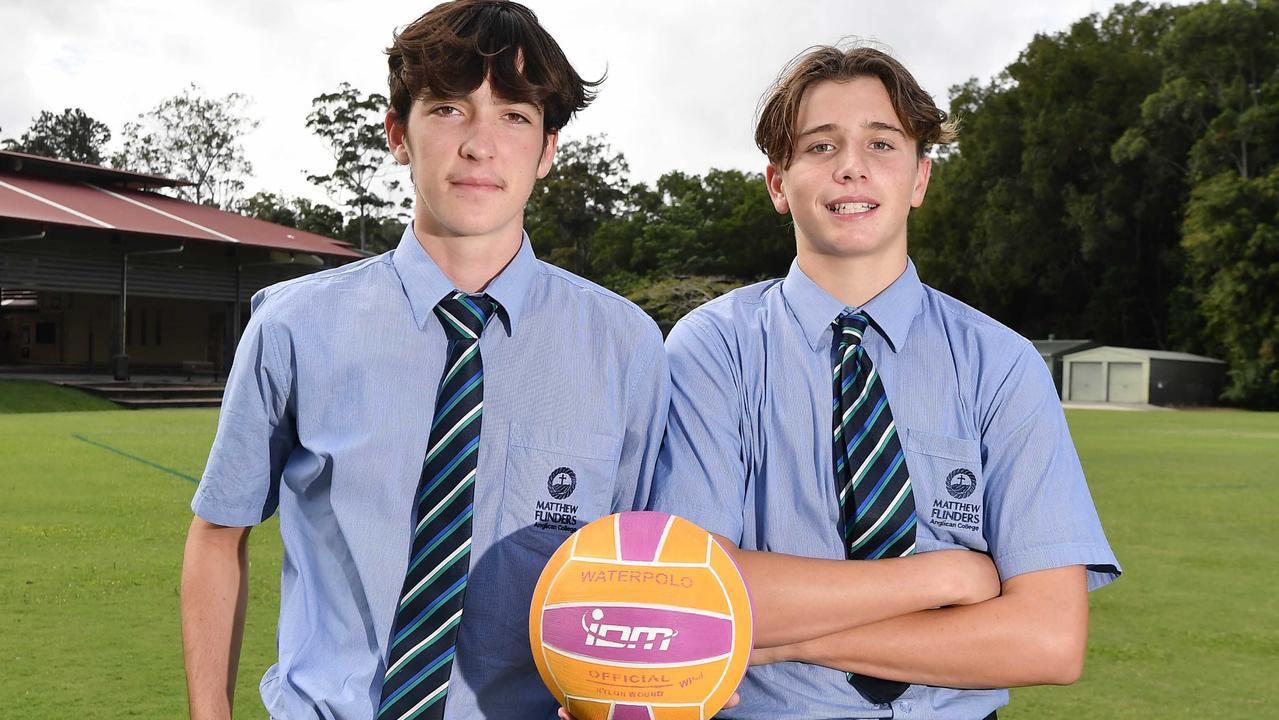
[775,130]
[448,52]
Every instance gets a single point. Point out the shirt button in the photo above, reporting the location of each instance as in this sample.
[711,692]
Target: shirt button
[904,706]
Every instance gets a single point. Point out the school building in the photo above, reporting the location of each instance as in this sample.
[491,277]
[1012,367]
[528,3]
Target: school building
[99,272]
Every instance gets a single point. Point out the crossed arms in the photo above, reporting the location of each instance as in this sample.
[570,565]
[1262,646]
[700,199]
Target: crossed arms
[884,618]
[940,618]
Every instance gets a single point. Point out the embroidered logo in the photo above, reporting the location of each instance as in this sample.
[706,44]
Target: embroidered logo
[561,483]
[961,483]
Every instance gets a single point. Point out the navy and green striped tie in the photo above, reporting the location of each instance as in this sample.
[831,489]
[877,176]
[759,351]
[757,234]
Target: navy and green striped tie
[424,636]
[877,505]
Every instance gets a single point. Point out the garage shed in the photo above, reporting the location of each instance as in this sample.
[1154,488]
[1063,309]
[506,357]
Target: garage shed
[1133,375]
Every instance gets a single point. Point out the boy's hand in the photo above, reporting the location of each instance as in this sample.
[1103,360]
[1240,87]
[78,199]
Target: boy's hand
[770,655]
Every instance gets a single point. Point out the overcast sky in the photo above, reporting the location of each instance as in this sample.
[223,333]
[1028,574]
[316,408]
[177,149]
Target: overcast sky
[684,77]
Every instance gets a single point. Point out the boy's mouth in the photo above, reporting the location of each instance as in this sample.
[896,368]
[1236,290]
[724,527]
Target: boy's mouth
[851,208]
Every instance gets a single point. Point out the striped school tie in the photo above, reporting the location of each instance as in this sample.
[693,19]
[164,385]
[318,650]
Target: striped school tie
[877,506]
[424,636]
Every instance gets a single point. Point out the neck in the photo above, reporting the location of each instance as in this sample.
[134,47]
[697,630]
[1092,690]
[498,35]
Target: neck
[471,262]
[856,280]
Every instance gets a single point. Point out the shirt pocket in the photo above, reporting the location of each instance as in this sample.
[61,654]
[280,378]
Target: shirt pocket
[557,480]
[946,478]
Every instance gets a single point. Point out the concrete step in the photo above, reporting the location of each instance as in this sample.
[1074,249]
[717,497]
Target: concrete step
[170,402]
[137,396]
[130,392]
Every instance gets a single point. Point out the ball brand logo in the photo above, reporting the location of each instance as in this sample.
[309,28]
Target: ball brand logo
[961,483]
[561,483]
[628,633]
[630,637]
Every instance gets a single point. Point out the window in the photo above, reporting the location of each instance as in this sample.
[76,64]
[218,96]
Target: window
[46,333]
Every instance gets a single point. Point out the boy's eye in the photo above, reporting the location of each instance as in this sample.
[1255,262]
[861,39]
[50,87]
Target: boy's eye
[822,148]
[880,145]
[517,117]
[444,110]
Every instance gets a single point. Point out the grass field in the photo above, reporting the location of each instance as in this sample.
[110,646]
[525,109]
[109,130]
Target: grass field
[30,396]
[94,509]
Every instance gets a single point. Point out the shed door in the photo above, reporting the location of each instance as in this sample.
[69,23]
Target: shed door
[1085,382]
[1125,382]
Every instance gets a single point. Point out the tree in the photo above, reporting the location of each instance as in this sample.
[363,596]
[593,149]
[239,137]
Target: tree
[71,135]
[269,207]
[722,224]
[319,218]
[1232,240]
[299,213]
[1218,102]
[586,187]
[353,128]
[1031,217]
[193,138]
[381,233]
[740,229]
[1217,92]
[667,300]
[1117,182]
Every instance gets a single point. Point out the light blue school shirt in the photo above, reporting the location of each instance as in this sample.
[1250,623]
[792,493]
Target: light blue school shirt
[748,454]
[326,418]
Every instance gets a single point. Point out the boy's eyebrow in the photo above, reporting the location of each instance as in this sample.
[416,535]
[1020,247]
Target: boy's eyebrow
[508,101]
[869,125]
[827,127]
[876,125]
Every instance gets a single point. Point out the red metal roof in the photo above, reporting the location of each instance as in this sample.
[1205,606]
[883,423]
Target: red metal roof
[105,207]
[57,168]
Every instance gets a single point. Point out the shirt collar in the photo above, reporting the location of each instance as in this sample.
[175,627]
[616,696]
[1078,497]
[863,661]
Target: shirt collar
[891,311]
[425,283]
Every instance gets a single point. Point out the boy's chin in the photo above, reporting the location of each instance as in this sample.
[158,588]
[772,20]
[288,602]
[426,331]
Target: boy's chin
[463,226]
[849,248]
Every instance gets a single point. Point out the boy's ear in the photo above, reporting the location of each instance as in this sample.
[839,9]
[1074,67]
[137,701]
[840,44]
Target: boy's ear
[395,139]
[548,153]
[776,189]
[922,173]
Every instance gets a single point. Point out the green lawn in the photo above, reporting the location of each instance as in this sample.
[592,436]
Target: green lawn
[30,396]
[92,551]
[1191,630]
[95,509]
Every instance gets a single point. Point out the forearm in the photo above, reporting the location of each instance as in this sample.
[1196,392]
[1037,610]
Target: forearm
[799,598]
[214,596]
[1033,634]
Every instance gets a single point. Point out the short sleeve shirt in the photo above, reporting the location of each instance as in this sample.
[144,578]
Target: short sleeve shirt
[326,420]
[748,453]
